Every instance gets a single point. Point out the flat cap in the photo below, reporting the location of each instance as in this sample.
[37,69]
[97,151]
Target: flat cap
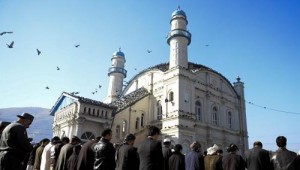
[26,116]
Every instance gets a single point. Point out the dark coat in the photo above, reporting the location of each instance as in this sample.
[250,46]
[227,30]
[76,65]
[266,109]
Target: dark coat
[233,161]
[38,157]
[32,154]
[284,160]
[104,152]
[257,159]
[167,152]
[72,161]
[177,161]
[151,157]
[65,153]
[127,158]
[194,161]
[14,146]
[213,162]
[86,156]
[54,153]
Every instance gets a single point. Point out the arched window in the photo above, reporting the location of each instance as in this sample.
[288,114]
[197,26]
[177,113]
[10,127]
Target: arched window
[198,111]
[105,114]
[94,112]
[215,117]
[118,131]
[102,113]
[88,136]
[159,110]
[142,120]
[137,123]
[171,96]
[229,119]
[89,112]
[98,113]
[84,109]
[124,124]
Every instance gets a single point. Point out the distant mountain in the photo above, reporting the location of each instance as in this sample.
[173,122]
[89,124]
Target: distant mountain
[42,123]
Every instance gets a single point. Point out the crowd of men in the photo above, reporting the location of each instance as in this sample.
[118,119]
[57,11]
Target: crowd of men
[17,153]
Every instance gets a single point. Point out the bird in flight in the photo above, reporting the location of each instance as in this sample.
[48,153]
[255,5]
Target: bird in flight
[77,45]
[73,93]
[38,51]
[57,68]
[9,32]
[100,86]
[47,88]
[93,92]
[11,45]
[149,51]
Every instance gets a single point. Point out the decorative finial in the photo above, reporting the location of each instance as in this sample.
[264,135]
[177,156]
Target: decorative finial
[120,49]
[238,78]
[178,8]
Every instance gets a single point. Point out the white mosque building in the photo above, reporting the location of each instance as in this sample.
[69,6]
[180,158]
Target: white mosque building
[187,101]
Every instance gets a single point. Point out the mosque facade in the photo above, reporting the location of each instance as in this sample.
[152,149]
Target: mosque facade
[187,101]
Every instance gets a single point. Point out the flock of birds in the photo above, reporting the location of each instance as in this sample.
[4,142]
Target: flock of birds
[39,52]
[11,45]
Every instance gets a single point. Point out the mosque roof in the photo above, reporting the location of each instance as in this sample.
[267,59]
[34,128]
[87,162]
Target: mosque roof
[129,99]
[119,53]
[192,67]
[90,101]
[179,12]
[75,98]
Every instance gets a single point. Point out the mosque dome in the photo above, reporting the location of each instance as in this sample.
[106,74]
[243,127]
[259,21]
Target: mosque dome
[178,11]
[119,53]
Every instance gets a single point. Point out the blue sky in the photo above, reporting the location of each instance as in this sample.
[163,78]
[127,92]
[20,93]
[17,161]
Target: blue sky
[257,40]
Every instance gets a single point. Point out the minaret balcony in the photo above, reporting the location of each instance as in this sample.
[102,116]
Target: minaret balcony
[117,70]
[179,33]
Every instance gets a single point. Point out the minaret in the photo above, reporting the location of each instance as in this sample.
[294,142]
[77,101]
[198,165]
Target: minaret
[116,74]
[239,88]
[179,39]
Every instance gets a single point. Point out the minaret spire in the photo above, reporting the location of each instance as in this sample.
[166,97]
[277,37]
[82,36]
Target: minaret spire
[179,39]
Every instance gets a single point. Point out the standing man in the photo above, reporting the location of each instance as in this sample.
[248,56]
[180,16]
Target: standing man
[150,151]
[177,160]
[86,155]
[127,157]
[257,158]
[65,153]
[55,150]
[167,152]
[213,161]
[38,154]
[45,162]
[194,160]
[14,143]
[104,152]
[233,161]
[284,159]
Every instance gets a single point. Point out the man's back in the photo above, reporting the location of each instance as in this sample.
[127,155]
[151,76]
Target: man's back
[284,160]
[151,157]
[104,153]
[86,156]
[257,159]
[194,160]
[14,138]
[127,158]
[65,153]
[167,152]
